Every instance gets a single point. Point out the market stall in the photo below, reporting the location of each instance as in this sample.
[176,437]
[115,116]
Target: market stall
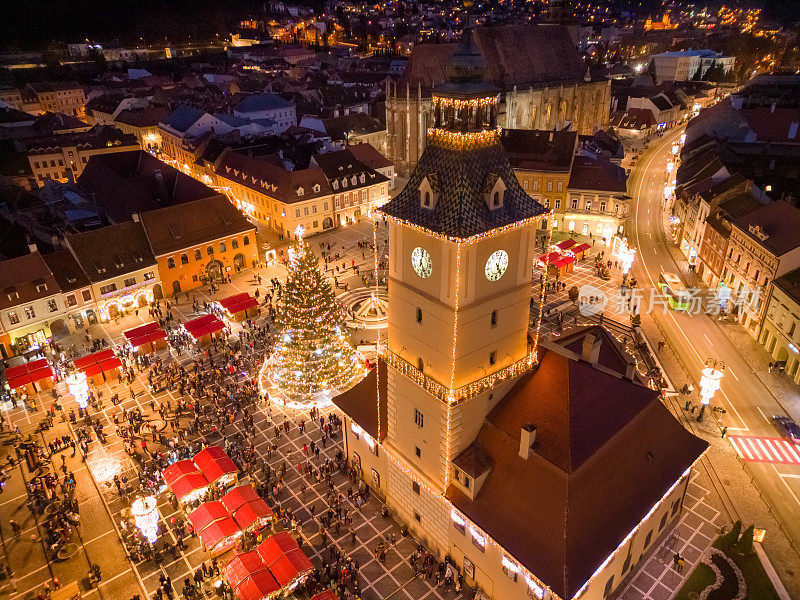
[184,479]
[146,338]
[286,561]
[580,250]
[31,377]
[247,508]
[240,306]
[207,513]
[220,535]
[566,244]
[216,466]
[561,266]
[243,566]
[204,329]
[99,366]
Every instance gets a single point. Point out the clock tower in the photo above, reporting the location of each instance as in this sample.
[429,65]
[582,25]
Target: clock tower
[462,236]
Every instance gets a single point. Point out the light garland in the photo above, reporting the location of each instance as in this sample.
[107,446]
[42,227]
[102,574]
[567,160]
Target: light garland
[458,103]
[542,294]
[378,338]
[451,396]
[455,140]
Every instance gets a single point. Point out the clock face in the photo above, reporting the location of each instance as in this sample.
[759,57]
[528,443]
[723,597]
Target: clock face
[496,265]
[421,261]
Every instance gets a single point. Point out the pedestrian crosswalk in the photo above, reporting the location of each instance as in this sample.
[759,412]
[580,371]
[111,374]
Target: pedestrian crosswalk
[765,449]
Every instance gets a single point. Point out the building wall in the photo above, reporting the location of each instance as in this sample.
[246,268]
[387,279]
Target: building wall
[55,165]
[584,105]
[149,138]
[133,290]
[600,214]
[190,272]
[33,318]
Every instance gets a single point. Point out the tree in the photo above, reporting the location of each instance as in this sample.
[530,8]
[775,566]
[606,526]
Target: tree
[313,353]
[730,539]
[745,543]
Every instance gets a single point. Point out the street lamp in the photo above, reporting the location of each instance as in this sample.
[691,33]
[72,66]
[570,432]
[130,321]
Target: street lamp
[710,382]
[145,515]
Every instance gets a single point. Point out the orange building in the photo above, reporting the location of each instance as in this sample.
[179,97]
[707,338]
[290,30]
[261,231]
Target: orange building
[198,242]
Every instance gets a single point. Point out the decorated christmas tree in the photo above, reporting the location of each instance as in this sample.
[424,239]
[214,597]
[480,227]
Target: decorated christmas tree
[312,352]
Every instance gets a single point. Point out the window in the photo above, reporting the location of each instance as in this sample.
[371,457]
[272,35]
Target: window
[41,287]
[609,586]
[525,184]
[314,209]
[648,539]
[246,240]
[574,204]
[415,488]
[297,213]
[51,305]
[234,243]
[496,200]
[478,540]
[324,206]
[107,289]
[71,300]
[602,206]
[419,315]
[417,451]
[676,506]
[549,186]
[13,318]
[29,312]
[492,357]
[305,211]
[170,263]
[493,319]
[149,275]
[560,186]
[663,522]
[627,564]
[130,281]
[535,184]
[419,418]
[417,517]
[184,259]
[558,203]
[588,205]
[426,202]
[223,247]
[198,255]
[210,251]
[510,568]
[87,295]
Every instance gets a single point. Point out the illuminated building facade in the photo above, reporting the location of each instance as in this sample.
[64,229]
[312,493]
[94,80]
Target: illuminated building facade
[515,458]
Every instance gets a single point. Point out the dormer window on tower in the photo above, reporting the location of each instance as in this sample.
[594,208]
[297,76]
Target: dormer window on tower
[429,191]
[494,191]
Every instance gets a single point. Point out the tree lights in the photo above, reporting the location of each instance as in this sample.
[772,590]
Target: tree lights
[313,354]
[455,140]
[79,389]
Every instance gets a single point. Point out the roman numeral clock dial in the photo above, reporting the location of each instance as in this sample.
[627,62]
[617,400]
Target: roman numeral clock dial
[496,265]
[421,261]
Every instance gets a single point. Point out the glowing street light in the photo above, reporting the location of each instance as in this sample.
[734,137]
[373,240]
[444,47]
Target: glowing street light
[79,389]
[145,515]
[710,382]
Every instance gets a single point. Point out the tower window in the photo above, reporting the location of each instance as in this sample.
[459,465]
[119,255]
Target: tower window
[496,200]
[494,319]
[419,418]
[492,357]
[415,488]
[417,518]
[417,451]
[420,364]
[419,317]
[427,200]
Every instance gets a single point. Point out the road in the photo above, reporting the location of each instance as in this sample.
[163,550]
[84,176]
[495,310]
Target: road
[696,338]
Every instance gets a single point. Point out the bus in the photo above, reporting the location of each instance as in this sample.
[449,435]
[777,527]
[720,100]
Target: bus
[674,291]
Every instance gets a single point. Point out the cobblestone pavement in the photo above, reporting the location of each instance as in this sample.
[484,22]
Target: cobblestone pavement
[102,507]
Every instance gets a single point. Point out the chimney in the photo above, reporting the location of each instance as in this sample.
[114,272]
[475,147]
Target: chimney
[590,352]
[772,110]
[161,187]
[135,217]
[526,439]
[32,247]
[630,369]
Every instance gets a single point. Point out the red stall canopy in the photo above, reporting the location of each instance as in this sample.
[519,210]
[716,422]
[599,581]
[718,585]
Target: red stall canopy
[217,531]
[566,244]
[92,364]
[18,381]
[214,463]
[275,546]
[28,367]
[177,470]
[239,496]
[257,586]
[289,566]
[238,302]
[207,513]
[562,261]
[187,484]
[30,372]
[580,248]
[251,512]
[242,566]
[141,330]
[204,325]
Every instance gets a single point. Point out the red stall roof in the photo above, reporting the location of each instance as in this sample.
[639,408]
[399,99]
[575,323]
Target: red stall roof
[141,330]
[242,566]
[566,244]
[110,363]
[85,362]
[28,367]
[18,381]
[257,586]
[207,513]
[562,261]
[289,566]
[580,248]
[185,485]
[275,546]
[238,302]
[177,470]
[40,374]
[213,462]
[29,372]
[250,512]
[239,496]
[217,531]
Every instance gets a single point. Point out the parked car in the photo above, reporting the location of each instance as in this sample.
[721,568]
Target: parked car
[788,428]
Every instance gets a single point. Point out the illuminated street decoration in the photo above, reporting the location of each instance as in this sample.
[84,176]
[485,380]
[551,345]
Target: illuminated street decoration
[145,515]
[79,388]
[710,382]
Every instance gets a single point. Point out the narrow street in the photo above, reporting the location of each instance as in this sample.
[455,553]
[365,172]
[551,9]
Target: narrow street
[694,338]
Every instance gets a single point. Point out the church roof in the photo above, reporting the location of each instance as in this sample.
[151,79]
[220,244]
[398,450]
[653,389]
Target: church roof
[521,55]
[460,210]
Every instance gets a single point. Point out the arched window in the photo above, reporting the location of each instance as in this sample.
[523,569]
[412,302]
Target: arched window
[198,255]
[234,243]
[184,259]
[427,198]
[496,200]
[246,240]
[170,263]
[210,250]
[222,247]
[420,364]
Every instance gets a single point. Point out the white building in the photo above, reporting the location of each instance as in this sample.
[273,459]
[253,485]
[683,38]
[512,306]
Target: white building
[683,65]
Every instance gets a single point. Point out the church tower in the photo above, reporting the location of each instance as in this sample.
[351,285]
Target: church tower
[462,237]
